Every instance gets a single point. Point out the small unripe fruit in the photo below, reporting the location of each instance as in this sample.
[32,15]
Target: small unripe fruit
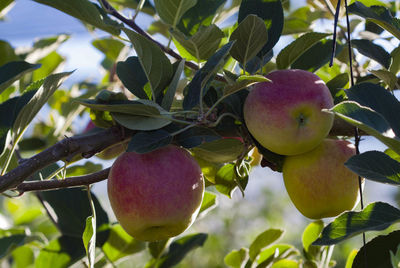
[318,183]
[156,195]
[285,115]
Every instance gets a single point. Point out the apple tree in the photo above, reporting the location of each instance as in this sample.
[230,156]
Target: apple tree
[182,81]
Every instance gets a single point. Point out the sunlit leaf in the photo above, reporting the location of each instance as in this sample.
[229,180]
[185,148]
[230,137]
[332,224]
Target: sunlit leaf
[209,202]
[263,240]
[311,233]
[236,258]
[120,244]
[375,217]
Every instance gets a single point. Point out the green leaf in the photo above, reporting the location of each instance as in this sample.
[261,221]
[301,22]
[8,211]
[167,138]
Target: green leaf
[367,120]
[89,239]
[195,136]
[7,53]
[139,107]
[49,64]
[204,76]
[111,48]
[395,66]
[23,257]
[226,180]
[350,258]
[120,244]
[180,248]
[251,35]
[132,75]
[145,142]
[40,98]
[171,11]
[135,122]
[307,61]
[273,253]
[336,86]
[379,251]
[285,263]
[9,111]
[272,13]
[45,46]
[373,51]
[71,221]
[86,11]
[13,238]
[263,240]
[219,151]
[14,70]
[61,252]
[375,217]
[376,166]
[236,258]
[201,45]
[311,233]
[379,15]
[155,63]
[378,99]
[86,168]
[395,257]
[388,77]
[209,203]
[201,14]
[173,86]
[242,82]
[294,50]
[156,248]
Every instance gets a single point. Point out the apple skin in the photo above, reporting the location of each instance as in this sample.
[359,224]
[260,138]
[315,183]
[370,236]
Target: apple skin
[112,151]
[156,195]
[285,115]
[318,183]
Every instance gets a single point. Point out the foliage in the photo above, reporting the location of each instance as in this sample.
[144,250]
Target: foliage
[189,90]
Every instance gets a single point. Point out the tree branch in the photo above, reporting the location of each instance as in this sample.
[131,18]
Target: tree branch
[65,183]
[84,145]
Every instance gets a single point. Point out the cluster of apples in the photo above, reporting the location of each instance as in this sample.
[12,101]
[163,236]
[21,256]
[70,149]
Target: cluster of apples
[158,195]
[288,116]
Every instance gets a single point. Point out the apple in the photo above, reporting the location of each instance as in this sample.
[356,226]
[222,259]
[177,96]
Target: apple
[156,195]
[112,151]
[318,183]
[285,115]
